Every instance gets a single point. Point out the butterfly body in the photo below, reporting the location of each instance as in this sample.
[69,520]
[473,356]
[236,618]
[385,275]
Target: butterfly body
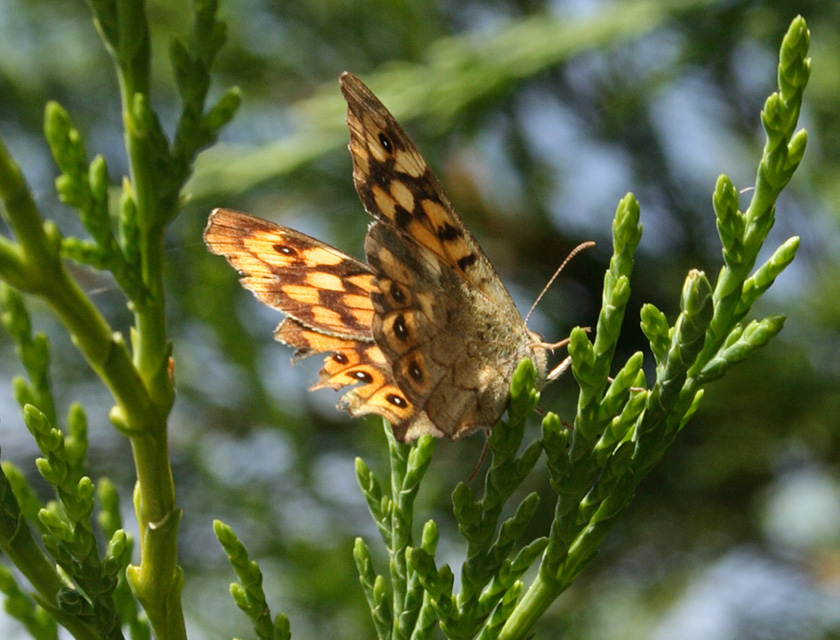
[426,331]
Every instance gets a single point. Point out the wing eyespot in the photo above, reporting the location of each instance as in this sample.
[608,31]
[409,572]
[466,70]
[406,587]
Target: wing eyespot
[400,328]
[416,371]
[362,376]
[397,401]
[397,294]
[386,143]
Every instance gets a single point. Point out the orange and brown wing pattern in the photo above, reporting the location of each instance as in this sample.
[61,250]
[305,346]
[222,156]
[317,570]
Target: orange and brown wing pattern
[425,335]
[398,188]
[318,285]
[353,362]
[443,319]
[326,295]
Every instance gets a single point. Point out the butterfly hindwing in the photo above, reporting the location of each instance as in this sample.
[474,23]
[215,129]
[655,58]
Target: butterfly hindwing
[364,367]
[326,295]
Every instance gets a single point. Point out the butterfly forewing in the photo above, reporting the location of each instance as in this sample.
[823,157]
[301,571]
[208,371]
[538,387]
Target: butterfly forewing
[398,188]
[278,265]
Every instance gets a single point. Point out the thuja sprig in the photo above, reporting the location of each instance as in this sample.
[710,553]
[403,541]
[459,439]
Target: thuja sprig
[84,187]
[248,593]
[130,245]
[69,536]
[622,429]
[586,462]
[33,352]
[79,595]
[605,412]
[491,572]
[742,234]
[398,606]
[419,594]
[726,339]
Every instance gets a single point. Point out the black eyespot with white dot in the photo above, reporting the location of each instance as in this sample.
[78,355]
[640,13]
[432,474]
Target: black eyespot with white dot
[340,358]
[284,249]
[386,143]
[416,371]
[397,401]
[362,376]
[397,293]
[400,328]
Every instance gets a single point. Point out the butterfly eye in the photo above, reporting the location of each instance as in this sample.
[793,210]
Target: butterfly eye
[385,141]
[397,401]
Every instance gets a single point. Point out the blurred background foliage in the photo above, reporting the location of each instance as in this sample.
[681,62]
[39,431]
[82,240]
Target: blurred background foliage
[537,116]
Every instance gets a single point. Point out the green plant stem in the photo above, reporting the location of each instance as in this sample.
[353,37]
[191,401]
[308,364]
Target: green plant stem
[536,600]
[157,580]
[24,553]
[140,415]
[155,504]
[400,526]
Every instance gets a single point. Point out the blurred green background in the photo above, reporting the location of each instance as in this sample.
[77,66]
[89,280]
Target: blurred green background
[537,116]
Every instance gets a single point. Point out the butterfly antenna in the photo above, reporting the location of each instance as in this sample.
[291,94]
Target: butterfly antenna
[572,254]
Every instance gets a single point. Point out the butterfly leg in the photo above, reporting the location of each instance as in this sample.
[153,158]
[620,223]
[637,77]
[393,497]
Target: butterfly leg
[484,450]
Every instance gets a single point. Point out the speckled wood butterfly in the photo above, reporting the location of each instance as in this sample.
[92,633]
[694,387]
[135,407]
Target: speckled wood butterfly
[425,333]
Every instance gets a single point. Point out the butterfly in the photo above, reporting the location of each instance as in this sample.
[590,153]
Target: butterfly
[425,334]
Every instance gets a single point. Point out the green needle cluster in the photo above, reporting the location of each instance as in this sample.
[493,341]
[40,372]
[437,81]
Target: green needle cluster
[622,427]
[93,592]
[248,593]
[73,551]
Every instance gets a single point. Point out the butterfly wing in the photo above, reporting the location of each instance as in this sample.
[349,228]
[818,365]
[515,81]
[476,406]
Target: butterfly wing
[398,188]
[443,318]
[318,285]
[362,366]
[326,295]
